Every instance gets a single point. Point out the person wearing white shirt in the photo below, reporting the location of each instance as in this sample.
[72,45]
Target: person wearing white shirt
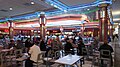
[34,51]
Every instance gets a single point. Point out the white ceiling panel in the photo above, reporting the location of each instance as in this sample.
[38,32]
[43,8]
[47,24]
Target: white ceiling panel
[76,2]
[21,7]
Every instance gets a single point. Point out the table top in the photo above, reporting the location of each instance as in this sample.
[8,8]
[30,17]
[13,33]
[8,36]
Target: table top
[68,60]
[5,50]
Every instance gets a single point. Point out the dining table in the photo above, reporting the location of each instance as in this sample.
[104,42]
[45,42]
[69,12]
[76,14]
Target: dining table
[69,60]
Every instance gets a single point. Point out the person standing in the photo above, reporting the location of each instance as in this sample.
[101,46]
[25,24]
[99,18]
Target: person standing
[33,52]
[105,46]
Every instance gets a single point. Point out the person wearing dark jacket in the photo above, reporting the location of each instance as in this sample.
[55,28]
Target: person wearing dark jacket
[27,43]
[68,47]
[12,44]
[80,48]
[42,45]
[105,46]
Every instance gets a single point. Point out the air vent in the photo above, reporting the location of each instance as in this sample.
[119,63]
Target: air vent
[3,10]
[27,4]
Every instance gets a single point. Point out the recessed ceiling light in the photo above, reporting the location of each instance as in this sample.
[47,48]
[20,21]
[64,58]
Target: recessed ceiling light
[11,8]
[65,10]
[32,3]
[88,9]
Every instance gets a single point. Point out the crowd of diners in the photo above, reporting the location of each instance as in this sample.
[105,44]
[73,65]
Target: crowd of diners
[64,43]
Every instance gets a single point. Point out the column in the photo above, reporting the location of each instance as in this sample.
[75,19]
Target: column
[11,30]
[42,21]
[103,22]
[100,26]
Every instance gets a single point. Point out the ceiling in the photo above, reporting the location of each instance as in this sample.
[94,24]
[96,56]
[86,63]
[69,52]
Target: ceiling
[116,10]
[21,7]
[25,6]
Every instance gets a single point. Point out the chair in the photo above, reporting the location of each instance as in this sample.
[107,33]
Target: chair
[95,58]
[3,58]
[39,60]
[105,55]
[84,51]
[18,53]
[10,55]
[48,58]
[19,59]
[57,54]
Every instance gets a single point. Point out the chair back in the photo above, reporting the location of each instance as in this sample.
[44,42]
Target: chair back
[40,57]
[57,54]
[18,52]
[39,60]
[50,53]
[84,51]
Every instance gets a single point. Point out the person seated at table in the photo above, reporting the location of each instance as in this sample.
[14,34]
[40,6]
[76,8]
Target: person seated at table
[11,44]
[33,52]
[42,45]
[27,45]
[68,48]
[105,46]
[19,44]
[27,42]
[56,44]
[80,48]
[59,43]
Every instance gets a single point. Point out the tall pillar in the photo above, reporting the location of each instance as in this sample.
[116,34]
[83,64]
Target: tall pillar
[104,22]
[11,29]
[100,26]
[42,21]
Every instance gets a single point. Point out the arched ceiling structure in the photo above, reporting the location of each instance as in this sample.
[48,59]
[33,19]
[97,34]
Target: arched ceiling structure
[23,9]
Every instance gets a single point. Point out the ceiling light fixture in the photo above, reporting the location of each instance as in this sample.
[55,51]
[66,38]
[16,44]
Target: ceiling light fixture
[11,8]
[32,3]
